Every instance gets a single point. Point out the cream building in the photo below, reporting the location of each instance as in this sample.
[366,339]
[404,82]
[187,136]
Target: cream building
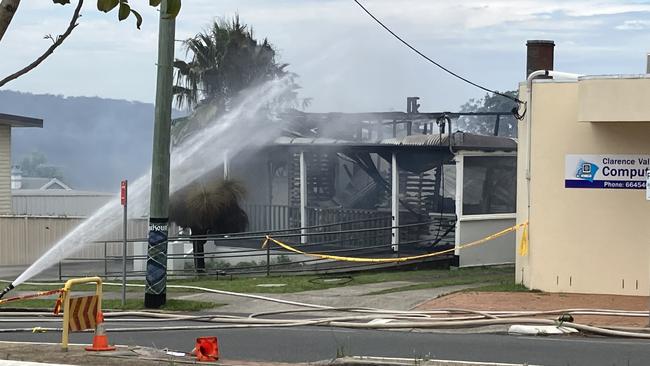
[7,121]
[584,149]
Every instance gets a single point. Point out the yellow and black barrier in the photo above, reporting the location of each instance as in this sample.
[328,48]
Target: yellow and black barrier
[79,313]
[503,232]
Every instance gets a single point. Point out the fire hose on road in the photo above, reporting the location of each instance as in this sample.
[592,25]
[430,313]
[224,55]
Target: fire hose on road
[364,318]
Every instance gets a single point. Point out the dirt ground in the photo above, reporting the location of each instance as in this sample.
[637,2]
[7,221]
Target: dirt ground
[135,356]
[547,301]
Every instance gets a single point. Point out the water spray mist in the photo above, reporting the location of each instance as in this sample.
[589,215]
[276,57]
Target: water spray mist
[245,126]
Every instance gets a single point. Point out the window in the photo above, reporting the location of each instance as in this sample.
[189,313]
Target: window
[489,185]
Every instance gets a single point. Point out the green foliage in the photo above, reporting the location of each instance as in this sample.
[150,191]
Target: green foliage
[107,5]
[173,7]
[125,10]
[296,283]
[225,59]
[131,304]
[490,103]
[170,305]
[220,264]
[35,165]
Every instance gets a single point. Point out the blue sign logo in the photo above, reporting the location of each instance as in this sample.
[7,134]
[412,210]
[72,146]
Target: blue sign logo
[586,170]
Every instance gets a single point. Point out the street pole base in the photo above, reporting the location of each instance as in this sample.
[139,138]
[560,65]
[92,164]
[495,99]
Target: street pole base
[153,301]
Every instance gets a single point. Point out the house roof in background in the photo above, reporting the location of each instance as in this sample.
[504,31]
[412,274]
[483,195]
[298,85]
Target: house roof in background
[43,184]
[20,121]
[58,193]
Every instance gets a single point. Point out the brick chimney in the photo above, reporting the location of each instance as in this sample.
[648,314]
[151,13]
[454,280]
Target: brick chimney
[539,56]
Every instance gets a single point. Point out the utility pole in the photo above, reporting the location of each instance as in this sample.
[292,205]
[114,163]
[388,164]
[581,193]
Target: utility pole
[156,281]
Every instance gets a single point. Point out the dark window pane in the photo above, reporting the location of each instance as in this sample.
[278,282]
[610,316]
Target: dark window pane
[489,185]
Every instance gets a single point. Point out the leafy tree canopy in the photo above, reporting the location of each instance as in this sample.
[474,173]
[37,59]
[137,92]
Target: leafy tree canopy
[125,10]
[35,165]
[224,60]
[485,125]
[491,103]
[9,7]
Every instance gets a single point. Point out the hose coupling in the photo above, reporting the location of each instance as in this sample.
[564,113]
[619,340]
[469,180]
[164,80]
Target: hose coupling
[7,289]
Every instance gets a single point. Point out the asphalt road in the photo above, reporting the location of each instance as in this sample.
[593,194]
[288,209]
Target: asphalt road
[318,343]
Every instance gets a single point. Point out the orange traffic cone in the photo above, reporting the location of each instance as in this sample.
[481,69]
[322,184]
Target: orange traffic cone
[100,340]
[207,349]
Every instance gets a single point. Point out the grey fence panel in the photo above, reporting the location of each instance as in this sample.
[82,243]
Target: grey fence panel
[23,239]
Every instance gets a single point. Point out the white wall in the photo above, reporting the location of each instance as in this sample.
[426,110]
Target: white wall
[5,169]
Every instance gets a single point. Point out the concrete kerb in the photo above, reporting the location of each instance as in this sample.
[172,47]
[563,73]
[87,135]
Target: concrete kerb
[50,354]
[11,353]
[387,361]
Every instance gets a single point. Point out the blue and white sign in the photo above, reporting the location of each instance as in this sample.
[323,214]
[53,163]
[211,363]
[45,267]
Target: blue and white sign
[606,171]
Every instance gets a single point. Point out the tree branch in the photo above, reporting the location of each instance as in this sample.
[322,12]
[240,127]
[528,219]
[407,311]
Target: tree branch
[59,40]
[7,10]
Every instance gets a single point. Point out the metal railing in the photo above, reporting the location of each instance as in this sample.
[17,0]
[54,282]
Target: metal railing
[240,254]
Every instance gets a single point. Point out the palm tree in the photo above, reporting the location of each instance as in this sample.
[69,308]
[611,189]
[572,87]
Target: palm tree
[209,205]
[225,59]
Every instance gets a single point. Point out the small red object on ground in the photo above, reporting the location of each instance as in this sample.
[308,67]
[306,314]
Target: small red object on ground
[207,349]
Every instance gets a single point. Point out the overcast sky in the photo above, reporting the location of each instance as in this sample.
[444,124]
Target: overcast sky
[345,61]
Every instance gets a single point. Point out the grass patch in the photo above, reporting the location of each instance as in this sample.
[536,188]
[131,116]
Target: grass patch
[503,287]
[420,279]
[115,304]
[423,279]
[465,276]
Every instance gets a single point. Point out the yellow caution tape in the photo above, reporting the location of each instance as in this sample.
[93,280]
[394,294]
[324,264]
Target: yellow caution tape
[31,296]
[394,260]
[523,246]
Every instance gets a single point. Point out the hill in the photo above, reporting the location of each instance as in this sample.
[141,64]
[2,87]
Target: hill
[95,141]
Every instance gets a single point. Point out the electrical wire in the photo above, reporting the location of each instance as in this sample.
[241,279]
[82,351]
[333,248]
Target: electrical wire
[515,111]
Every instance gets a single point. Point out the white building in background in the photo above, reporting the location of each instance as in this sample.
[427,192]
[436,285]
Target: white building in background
[7,122]
[18,181]
[37,196]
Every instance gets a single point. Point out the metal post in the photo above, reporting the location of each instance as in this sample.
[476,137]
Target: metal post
[156,285]
[395,204]
[124,243]
[270,188]
[105,259]
[268,260]
[496,125]
[226,165]
[60,270]
[303,199]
